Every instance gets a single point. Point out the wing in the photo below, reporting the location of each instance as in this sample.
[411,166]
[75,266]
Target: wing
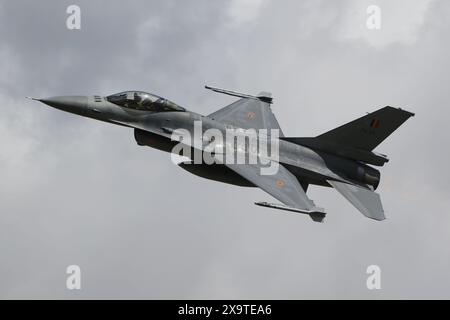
[283,186]
[248,113]
[365,200]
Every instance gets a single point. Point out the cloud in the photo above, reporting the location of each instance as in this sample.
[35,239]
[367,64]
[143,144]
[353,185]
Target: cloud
[244,11]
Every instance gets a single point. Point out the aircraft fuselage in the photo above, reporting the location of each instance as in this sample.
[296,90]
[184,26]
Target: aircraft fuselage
[154,129]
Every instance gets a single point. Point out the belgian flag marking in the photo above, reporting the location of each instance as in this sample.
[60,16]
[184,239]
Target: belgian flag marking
[375,123]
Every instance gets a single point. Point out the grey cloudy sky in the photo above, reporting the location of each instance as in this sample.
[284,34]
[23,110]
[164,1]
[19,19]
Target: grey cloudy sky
[76,191]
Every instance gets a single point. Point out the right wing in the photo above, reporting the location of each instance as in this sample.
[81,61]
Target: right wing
[249,112]
[283,186]
[365,200]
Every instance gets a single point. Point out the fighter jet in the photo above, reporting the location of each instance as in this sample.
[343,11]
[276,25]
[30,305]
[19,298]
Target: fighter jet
[342,158]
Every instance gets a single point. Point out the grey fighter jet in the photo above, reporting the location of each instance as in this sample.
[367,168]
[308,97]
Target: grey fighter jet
[339,158]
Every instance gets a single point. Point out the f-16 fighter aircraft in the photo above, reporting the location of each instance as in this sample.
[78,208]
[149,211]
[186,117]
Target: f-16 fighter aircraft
[339,158]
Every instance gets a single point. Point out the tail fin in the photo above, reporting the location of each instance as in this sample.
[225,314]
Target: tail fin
[367,132]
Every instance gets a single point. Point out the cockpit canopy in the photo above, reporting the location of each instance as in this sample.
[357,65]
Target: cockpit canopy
[139,100]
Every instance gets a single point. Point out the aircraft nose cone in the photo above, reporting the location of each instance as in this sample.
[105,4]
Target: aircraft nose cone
[74,104]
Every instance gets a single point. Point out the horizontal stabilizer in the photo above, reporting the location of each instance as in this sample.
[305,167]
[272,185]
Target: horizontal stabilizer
[319,144]
[365,200]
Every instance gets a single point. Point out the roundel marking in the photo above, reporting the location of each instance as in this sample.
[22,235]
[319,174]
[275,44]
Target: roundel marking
[250,115]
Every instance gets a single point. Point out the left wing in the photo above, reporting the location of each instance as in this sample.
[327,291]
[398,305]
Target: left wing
[283,186]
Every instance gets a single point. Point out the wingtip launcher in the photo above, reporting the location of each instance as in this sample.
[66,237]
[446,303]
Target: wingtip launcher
[317,214]
[263,96]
